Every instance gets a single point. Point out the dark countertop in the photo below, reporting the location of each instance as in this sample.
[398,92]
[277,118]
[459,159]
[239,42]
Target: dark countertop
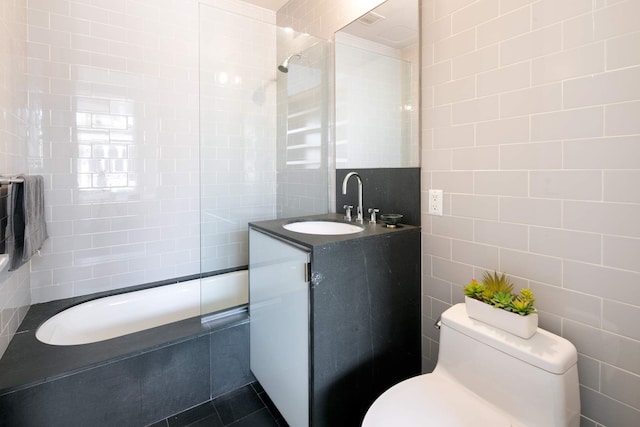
[311,241]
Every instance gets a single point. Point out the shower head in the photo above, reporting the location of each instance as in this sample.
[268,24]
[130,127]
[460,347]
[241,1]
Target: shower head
[284,67]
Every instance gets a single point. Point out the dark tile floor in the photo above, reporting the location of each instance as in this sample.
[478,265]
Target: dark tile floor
[249,406]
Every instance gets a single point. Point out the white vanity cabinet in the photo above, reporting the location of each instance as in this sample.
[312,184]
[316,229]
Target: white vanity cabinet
[279,328]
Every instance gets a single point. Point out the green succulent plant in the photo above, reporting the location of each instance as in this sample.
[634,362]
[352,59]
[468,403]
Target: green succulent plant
[523,303]
[496,290]
[502,300]
[494,283]
[474,290]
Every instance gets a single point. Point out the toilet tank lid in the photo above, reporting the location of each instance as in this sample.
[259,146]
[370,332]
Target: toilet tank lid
[545,350]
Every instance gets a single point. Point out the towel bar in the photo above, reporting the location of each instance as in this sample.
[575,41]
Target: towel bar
[4,181]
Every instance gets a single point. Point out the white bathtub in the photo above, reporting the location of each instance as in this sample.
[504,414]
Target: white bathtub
[117,315]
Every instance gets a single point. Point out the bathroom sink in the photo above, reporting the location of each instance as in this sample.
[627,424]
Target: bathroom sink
[323,227]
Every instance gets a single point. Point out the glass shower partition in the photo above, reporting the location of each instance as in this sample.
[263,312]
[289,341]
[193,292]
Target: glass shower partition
[303,148]
[263,138]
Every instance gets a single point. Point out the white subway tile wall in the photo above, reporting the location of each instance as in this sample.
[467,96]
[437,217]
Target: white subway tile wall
[531,125]
[115,129]
[15,297]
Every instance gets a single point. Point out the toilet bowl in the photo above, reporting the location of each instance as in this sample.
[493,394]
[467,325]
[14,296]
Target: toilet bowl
[432,400]
[486,377]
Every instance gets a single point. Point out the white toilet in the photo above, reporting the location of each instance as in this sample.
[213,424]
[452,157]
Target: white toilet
[486,377]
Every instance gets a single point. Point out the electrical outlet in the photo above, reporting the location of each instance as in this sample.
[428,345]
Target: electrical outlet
[435,202]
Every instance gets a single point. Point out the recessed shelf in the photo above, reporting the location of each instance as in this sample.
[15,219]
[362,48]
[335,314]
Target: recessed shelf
[303,129]
[303,112]
[303,146]
[302,162]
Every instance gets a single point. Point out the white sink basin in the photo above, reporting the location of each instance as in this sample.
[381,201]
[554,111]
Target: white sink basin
[323,227]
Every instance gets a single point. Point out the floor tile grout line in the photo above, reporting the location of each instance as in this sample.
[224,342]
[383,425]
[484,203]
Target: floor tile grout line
[254,390]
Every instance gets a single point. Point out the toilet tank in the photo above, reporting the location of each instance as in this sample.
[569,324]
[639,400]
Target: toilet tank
[535,381]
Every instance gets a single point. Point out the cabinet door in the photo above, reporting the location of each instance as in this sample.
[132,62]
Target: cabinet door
[279,328]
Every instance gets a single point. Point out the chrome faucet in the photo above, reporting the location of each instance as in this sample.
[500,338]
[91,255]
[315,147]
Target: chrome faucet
[359,217]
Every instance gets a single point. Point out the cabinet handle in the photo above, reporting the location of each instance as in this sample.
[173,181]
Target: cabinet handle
[307,272]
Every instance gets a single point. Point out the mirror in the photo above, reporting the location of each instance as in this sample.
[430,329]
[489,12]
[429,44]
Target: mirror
[377,88]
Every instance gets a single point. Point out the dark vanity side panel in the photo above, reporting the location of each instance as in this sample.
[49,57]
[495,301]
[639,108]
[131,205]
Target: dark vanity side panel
[392,190]
[366,337]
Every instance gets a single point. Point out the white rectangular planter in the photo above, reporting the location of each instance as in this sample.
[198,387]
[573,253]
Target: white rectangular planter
[522,326]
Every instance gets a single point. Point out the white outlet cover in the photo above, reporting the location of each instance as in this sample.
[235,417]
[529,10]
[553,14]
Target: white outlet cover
[435,202]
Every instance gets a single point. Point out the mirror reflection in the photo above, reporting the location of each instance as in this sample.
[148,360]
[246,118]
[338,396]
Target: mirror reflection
[377,88]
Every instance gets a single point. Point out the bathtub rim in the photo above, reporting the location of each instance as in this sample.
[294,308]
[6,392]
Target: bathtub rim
[22,365]
[94,324]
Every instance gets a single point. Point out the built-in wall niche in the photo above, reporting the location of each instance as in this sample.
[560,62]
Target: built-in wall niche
[377,60]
